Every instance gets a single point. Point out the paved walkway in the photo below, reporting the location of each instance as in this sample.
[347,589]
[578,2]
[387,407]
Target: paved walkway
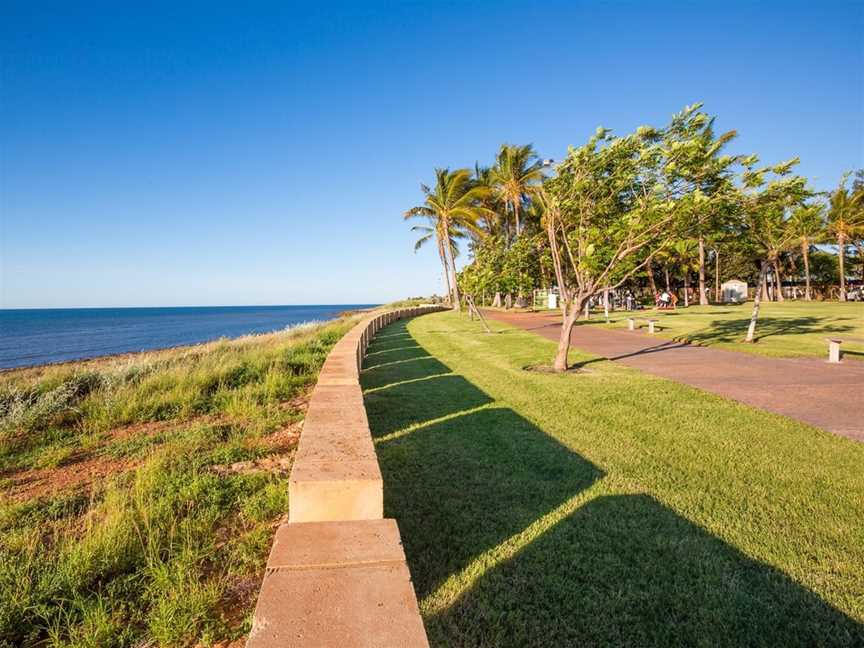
[807,389]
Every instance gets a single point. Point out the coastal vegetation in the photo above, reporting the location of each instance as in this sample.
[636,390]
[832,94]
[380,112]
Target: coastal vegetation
[661,206]
[609,507]
[139,494]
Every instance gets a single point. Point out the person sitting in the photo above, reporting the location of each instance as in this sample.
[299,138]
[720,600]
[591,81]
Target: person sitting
[665,300]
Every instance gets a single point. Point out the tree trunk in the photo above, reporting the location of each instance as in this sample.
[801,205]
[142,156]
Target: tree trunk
[496,303]
[717,276]
[516,212]
[473,310]
[778,282]
[449,252]
[703,294]
[606,304]
[666,272]
[805,252]
[649,268]
[841,244]
[446,271]
[686,289]
[567,322]
[757,300]
[508,301]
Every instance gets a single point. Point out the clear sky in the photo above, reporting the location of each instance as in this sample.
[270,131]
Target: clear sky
[247,153]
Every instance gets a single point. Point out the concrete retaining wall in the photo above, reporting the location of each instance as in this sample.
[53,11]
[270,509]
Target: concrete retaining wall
[337,574]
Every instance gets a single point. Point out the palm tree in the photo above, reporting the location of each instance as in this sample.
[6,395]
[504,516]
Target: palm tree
[493,221]
[428,233]
[516,174]
[845,223]
[807,224]
[452,207]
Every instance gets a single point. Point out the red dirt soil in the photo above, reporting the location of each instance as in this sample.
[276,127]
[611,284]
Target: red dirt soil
[84,469]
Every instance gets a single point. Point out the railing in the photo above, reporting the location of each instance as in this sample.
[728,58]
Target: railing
[337,574]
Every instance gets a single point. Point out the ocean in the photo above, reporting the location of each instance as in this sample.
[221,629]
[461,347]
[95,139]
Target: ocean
[39,336]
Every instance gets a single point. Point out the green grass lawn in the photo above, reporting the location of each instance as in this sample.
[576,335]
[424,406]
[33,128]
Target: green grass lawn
[788,329]
[608,507]
[165,543]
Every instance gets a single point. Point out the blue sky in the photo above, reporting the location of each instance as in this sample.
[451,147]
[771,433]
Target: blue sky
[194,154]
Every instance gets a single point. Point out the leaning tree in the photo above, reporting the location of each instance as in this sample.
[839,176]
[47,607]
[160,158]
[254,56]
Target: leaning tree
[695,162]
[453,206]
[768,197]
[613,204]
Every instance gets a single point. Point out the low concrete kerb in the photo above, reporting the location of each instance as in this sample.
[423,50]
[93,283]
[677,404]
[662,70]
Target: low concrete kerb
[337,574]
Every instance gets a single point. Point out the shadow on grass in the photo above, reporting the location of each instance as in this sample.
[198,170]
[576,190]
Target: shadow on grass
[618,570]
[625,570]
[381,357]
[463,486]
[670,345]
[734,330]
[401,405]
[399,370]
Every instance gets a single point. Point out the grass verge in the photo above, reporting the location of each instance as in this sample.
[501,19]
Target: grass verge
[540,509]
[789,329]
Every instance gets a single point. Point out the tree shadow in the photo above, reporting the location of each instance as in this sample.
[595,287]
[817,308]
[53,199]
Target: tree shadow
[394,371]
[625,570]
[618,570]
[409,387]
[462,486]
[383,354]
[380,357]
[418,399]
[734,330]
[669,345]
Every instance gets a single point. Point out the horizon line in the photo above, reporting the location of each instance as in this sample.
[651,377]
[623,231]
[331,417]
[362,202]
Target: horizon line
[11,308]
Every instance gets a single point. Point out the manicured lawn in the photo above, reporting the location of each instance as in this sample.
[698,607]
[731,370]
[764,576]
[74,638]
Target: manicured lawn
[609,507]
[139,495]
[787,329]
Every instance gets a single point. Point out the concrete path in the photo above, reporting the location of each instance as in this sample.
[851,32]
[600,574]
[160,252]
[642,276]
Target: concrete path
[807,389]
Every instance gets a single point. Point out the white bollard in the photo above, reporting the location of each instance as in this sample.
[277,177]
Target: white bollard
[631,324]
[651,326]
[834,351]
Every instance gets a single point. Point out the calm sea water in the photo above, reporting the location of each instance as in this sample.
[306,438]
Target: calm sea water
[30,337]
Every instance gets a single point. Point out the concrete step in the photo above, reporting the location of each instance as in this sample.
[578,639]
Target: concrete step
[340,584]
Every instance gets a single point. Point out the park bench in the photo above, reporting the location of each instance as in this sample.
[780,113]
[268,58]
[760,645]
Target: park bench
[631,324]
[834,354]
